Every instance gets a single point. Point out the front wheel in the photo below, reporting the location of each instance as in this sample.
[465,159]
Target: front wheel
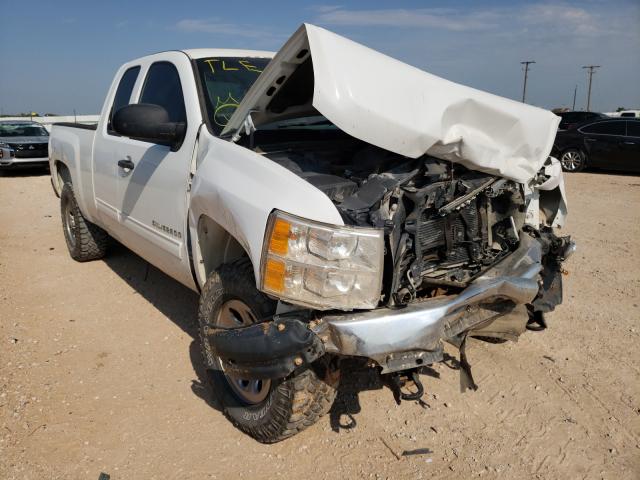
[572,160]
[267,410]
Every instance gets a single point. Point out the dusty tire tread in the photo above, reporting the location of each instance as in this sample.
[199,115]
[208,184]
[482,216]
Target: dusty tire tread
[91,240]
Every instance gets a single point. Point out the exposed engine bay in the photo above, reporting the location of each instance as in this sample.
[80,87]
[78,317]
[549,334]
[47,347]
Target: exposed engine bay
[462,258]
[444,224]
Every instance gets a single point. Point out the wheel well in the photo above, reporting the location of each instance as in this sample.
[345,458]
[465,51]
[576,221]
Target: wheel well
[582,152]
[215,246]
[62,174]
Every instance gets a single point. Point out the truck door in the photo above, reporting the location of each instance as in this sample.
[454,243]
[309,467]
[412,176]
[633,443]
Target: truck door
[105,168]
[151,179]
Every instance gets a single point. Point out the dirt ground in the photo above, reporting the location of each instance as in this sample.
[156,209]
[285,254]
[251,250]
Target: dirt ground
[100,371]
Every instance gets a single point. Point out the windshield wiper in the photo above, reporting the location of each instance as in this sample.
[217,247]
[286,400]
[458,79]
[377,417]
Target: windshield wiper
[305,124]
[297,122]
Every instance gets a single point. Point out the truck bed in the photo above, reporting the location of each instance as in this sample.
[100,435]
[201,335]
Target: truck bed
[72,145]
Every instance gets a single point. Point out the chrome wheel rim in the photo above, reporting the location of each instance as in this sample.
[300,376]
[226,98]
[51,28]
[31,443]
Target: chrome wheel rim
[236,313]
[571,160]
[69,224]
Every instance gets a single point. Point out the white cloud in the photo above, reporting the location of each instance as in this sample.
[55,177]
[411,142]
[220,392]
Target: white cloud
[447,19]
[544,17]
[575,20]
[325,8]
[214,26]
[482,45]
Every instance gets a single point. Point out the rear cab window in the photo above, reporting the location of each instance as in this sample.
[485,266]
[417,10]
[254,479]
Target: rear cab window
[123,93]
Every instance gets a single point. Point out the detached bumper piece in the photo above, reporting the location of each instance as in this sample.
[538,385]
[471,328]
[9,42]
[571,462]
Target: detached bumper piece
[266,350]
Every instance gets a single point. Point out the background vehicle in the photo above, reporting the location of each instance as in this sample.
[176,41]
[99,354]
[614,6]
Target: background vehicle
[7,154]
[29,141]
[318,211]
[571,119]
[624,114]
[613,144]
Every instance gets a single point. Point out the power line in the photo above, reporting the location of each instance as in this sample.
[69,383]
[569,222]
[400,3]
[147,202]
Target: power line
[526,74]
[591,69]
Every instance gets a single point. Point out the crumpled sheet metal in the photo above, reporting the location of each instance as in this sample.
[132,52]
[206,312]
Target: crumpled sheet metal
[400,108]
[420,326]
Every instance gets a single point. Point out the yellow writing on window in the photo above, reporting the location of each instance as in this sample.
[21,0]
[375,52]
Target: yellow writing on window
[224,109]
[248,66]
[226,65]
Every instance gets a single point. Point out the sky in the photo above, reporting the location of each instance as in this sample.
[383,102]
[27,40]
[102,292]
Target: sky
[60,56]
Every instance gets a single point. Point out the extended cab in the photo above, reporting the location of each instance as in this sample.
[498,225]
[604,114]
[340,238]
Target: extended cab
[328,203]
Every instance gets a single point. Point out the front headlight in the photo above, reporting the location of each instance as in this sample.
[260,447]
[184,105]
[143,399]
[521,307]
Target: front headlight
[322,266]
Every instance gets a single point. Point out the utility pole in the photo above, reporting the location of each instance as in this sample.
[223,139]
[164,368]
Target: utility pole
[591,68]
[575,91]
[526,74]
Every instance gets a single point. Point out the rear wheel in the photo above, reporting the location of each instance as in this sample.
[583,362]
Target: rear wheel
[85,240]
[267,410]
[572,160]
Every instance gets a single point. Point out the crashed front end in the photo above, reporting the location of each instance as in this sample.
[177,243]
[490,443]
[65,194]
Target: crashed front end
[461,258]
[449,207]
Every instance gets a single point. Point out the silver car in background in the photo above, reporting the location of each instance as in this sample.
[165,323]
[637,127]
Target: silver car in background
[28,140]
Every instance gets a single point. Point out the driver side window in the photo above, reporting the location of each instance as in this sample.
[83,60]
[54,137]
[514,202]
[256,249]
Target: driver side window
[162,87]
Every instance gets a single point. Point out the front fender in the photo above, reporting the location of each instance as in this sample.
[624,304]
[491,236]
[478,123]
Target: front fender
[238,189]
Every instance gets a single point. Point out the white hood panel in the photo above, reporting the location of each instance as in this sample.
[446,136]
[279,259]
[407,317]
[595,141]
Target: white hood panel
[395,106]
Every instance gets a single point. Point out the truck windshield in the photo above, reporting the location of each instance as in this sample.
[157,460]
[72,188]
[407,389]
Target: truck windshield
[225,82]
[22,130]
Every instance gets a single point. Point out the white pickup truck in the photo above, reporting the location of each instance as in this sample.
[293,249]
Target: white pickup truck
[327,202]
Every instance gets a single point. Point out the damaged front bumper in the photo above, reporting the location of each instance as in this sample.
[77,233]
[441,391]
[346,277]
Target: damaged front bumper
[389,335]
[397,339]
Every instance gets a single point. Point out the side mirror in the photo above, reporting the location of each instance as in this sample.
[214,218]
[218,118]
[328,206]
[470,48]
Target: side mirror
[146,121]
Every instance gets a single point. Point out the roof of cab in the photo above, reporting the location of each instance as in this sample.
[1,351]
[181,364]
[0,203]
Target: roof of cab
[196,53]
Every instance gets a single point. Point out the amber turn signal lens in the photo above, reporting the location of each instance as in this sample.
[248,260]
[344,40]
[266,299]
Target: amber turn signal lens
[274,275]
[279,242]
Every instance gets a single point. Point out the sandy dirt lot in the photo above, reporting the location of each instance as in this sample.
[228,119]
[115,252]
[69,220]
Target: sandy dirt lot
[100,371]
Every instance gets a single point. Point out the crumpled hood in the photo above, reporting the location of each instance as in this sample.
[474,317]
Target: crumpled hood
[400,108]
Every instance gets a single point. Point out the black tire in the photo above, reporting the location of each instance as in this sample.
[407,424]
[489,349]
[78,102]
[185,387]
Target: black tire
[293,403]
[573,160]
[85,240]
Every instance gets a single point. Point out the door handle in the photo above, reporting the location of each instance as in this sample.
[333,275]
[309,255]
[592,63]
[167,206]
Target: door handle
[629,143]
[590,139]
[127,163]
